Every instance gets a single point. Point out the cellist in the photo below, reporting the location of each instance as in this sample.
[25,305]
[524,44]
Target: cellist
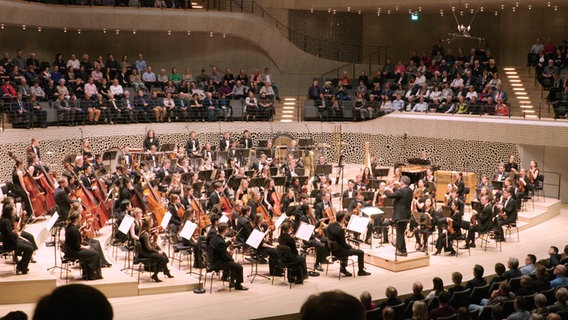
[62,199]
[264,248]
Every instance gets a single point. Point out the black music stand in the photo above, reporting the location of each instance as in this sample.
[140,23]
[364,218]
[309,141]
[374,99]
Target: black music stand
[229,172]
[374,184]
[167,147]
[306,143]
[368,195]
[323,169]
[257,182]
[261,151]
[298,154]
[273,171]
[205,175]
[388,213]
[382,172]
[197,186]
[249,173]
[279,181]
[262,144]
[185,177]
[497,185]
[235,182]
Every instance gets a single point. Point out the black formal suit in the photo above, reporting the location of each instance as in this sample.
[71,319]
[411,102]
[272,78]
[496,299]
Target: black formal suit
[475,282]
[319,209]
[456,223]
[127,158]
[244,228]
[214,199]
[61,197]
[11,241]
[191,145]
[89,256]
[149,143]
[336,233]
[35,150]
[247,143]
[222,260]
[224,144]
[510,211]
[348,194]
[484,219]
[401,203]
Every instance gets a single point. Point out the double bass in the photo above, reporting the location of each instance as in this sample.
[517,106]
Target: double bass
[91,206]
[35,192]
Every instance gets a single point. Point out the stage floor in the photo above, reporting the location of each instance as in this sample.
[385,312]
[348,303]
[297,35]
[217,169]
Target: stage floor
[173,298]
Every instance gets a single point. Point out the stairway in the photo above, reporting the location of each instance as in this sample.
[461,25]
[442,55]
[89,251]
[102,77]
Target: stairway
[287,109]
[525,94]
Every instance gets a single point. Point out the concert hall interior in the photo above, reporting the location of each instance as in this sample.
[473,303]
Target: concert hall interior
[243,209]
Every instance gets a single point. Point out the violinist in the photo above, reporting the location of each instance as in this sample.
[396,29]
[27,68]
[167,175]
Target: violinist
[289,198]
[295,259]
[269,191]
[215,196]
[79,165]
[430,175]
[150,140]
[184,167]
[75,249]
[266,249]
[222,260]
[98,166]
[298,189]
[316,180]
[12,239]
[163,172]
[424,227]
[18,223]
[304,214]
[19,188]
[175,187]
[336,233]
[125,209]
[359,185]
[242,191]
[207,165]
[175,207]
[507,213]
[453,230]
[480,221]
[292,170]
[484,182]
[322,206]
[378,201]
[253,202]
[213,230]
[523,184]
[149,249]
[61,196]
[244,224]
[533,173]
[511,165]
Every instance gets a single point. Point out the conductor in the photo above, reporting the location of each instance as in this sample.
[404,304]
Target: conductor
[402,202]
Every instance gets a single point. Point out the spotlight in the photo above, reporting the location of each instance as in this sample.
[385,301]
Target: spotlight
[117,31]
[65,30]
[78,31]
[188,32]
[104,30]
[23,27]
[169,32]
[134,31]
[38,29]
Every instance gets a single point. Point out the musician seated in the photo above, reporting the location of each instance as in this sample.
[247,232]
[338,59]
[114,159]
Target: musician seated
[12,239]
[355,207]
[508,213]
[424,226]
[222,260]
[244,224]
[350,191]
[337,233]
[85,253]
[480,221]
[196,243]
[149,249]
[317,239]
[453,230]
[20,221]
[175,207]
[294,260]
[61,196]
[265,248]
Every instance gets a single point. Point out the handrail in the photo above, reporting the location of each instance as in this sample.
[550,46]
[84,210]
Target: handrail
[378,52]
[547,174]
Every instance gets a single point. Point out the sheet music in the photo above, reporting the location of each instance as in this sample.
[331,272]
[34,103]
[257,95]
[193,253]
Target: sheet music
[126,223]
[280,220]
[255,238]
[305,231]
[358,224]
[166,220]
[223,218]
[188,230]
[52,221]
[371,211]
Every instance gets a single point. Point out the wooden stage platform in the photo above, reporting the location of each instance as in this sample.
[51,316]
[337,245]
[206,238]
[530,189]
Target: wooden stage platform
[174,298]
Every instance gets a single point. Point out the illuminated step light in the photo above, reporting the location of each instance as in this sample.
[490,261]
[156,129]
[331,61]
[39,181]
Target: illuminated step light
[531,116]
[528,111]
[526,106]
[520,93]
[287,116]
[513,80]
[287,111]
[508,73]
[509,69]
[288,108]
[289,103]
[513,77]
[517,85]
[289,99]
[519,89]
[283,120]
[523,98]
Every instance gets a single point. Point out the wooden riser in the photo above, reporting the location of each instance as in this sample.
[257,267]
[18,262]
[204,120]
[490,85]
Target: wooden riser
[384,258]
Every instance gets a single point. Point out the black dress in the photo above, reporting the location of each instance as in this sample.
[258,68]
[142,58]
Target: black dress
[20,192]
[90,257]
[148,252]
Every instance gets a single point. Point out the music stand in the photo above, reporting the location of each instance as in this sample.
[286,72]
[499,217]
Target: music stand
[185,177]
[167,147]
[228,172]
[476,205]
[497,185]
[368,195]
[257,182]
[273,171]
[279,181]
[167,180]
[223,155]
[374,184]
[382,172]
[305,143]
[235,182]
[249,173]
[54,226]
[262,143]
[298,154]
[323,169]
[261,151]
[197,186]
[205,175]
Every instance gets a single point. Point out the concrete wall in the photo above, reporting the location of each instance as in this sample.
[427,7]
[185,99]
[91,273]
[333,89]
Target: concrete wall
[552,161]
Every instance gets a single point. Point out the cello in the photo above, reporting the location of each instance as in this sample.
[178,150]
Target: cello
[277,206]
[154,201]
[88,200]
[46,180]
